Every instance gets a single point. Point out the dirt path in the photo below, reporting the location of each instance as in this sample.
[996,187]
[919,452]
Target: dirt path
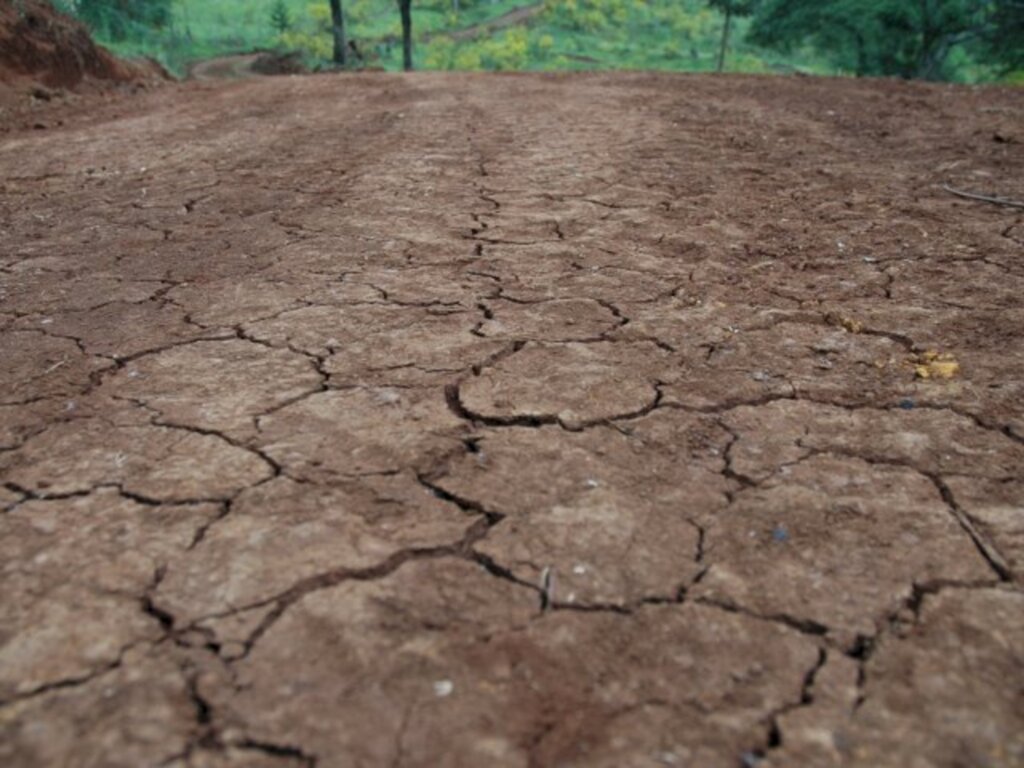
[234,66]
[516,16]
[605,420]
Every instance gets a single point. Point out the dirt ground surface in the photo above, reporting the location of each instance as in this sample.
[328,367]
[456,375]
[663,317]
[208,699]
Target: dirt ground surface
[468,420]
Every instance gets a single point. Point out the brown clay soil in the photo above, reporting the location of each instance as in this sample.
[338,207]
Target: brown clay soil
[49,59]
[467,420]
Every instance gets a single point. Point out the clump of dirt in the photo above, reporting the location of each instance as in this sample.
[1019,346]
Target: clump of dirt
[44,52]
[273,63]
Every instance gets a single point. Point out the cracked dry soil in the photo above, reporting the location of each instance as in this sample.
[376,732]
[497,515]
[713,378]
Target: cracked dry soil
[457,420]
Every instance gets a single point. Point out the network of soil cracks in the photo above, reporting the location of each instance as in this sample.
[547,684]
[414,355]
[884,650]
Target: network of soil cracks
[454,420]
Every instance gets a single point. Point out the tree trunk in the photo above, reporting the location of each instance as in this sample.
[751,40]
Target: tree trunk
[862,57]
[725,38]
[405,9]
[338,30]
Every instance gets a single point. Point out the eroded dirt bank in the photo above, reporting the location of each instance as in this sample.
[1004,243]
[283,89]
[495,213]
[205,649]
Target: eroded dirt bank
[617,420]
[48,62]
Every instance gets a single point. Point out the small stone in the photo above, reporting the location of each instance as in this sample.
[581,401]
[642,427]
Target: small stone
[443,688]
[387,396]
[232,650]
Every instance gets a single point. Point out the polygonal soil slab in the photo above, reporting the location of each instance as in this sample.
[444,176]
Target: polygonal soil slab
[229,302]
[161,463]
[805,281]
[37,366]
[42,291]
[575,384]
[74,572]
[216,385]
[984,343]
[597,518]
[520,225]
[244,247]
[836,543]
[380,344]
[959,667]
[996,507]
[815,361]
[139,713]
[557,320]
[282,533]
[438,285]
[552,275]
[954,283]
[19,422]
[120,329]
[390,664]
[344,433]
[938,442]
[811,734]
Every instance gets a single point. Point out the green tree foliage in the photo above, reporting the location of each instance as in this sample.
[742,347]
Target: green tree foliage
[823,36]
[280,17]
[121,19]
[1003,42]
[908,38]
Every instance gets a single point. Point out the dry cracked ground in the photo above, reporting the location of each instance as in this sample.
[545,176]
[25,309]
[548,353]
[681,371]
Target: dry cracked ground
[444,420]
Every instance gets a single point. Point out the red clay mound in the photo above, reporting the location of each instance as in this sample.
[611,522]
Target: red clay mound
[41,46]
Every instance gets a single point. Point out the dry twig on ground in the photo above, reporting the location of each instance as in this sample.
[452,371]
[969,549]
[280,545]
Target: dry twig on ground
[984,198]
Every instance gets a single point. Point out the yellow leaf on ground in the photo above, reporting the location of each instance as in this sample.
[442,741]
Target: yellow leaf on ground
[935,365]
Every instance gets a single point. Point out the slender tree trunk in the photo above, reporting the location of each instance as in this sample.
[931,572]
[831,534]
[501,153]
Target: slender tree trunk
[725,38]
[405,9]
[338,30]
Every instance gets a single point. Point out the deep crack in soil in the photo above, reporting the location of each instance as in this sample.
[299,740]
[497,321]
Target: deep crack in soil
[458,420]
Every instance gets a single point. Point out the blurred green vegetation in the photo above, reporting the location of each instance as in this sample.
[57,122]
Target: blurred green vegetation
[677,35]
[967,40]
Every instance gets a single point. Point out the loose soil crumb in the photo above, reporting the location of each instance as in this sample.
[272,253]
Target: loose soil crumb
[577,420]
